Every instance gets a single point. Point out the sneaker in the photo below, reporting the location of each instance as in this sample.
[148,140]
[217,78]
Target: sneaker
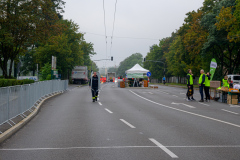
[188,99]
[201,100]
[193,99]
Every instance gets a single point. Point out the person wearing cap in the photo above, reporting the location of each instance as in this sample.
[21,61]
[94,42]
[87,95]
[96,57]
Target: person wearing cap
[201,84]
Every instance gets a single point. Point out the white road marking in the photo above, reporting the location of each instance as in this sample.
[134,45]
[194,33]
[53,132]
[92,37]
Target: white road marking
[150,92]
[236,106]
[199,115]
[183,104]
[163,92]
[100,103]
[183,93]
[174,96]
[108,110]
[203,104]
[229,111]
[131,126]
[115,147]
[170,153]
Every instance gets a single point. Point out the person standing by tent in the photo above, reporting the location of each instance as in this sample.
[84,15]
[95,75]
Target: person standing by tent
[201,84]
[93,84]
[190,90]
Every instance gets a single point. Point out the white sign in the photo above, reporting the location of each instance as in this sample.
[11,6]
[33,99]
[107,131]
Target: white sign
[35,78]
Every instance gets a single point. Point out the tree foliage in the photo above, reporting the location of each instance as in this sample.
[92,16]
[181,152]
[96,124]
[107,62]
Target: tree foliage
[128,63]
[213,31]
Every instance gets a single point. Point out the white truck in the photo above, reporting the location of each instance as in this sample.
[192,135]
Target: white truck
[80,75]
[234,78]
[111,76]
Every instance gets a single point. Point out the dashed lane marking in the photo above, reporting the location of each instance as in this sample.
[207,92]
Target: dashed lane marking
[108,110]
[100,103]
[131,126]
[183,104]
[174,96]
[170,153]
[229,111]
[195,114]
[203,104]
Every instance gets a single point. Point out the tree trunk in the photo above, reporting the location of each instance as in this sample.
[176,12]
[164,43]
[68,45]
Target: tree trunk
[10,69]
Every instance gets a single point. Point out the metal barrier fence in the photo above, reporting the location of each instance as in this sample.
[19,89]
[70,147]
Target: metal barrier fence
[182,80]
[16,100]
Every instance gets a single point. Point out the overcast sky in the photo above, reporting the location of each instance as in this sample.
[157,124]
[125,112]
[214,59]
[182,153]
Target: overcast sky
[144,22]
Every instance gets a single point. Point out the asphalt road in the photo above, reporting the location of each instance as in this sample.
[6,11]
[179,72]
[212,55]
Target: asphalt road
[128,124]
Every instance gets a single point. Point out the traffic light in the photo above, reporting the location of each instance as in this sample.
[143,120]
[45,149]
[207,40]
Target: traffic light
[144,59]
[112,58]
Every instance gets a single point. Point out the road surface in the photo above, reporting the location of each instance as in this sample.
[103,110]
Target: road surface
[128,124]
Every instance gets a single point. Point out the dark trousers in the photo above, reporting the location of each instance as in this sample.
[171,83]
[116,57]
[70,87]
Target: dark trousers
[94,93]
[201,91]
[206,89]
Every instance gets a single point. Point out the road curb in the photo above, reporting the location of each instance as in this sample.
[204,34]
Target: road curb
[18,126]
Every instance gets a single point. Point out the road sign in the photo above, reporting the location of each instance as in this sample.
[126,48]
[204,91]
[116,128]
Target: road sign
[148,74]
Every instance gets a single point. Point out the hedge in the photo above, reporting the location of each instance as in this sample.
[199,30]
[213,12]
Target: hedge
[13,82]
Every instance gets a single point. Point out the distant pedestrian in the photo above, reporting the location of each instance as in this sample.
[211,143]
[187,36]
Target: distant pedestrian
[190,90]
[207,86]
[164,80]
[93,84]
[201,84]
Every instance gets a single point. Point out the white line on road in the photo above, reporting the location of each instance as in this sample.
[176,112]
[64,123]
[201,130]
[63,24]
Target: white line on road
[170,153]
[131,126]
[183,93]
[203,104]
[183,104]
[199,115]
[100,103]
[108,110]
[115,147]
[150,92]
[229,111]
[236,106]
[174,96]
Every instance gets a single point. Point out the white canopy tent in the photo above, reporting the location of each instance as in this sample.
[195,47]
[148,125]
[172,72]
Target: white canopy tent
[136,72]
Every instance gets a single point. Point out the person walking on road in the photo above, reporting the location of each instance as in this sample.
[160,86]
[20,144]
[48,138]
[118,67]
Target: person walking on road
[207,86]
[164,80]
[93,84]
[201,84]
[190,90]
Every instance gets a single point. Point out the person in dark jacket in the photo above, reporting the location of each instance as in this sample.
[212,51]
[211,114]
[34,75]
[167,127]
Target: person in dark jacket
[93,84]
[190,90]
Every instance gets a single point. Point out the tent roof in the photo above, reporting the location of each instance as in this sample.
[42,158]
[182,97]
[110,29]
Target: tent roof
[137,69]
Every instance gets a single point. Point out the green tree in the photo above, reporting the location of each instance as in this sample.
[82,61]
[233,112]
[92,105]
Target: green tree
[128,63]
[22,23]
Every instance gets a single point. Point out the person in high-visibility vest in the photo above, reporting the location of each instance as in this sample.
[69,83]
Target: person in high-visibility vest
[201,84]
[207,86]
[190,91]
[225,81]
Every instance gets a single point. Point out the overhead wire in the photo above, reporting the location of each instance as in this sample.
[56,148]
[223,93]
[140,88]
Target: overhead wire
[113,26]
[122,37]
[105,27]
